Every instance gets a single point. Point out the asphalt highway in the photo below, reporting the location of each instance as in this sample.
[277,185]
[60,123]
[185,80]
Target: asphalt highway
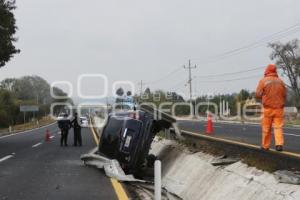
[247,133]
[33,169]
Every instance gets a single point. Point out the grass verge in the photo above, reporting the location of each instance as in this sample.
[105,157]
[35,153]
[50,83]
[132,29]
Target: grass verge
[27,126]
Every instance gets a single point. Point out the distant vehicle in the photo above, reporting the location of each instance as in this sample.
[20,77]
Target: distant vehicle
[84,122]
[128,135]
[125,103]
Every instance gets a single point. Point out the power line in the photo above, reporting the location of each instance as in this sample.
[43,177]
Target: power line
[231,80]
[275,36]
[164,77]
[231,73]
[244,49]
[177,85]
[181,83]
[175,89]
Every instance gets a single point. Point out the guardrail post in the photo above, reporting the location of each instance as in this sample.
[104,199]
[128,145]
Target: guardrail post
[157,180]
[167,134]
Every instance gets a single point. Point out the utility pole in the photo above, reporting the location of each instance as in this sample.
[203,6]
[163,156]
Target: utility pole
[141,87]
[190,67]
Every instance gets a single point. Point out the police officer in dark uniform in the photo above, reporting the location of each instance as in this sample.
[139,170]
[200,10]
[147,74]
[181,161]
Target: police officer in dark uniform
[77,131]
[64,125]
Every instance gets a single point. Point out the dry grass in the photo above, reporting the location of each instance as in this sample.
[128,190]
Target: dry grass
[294,122]
[27,126]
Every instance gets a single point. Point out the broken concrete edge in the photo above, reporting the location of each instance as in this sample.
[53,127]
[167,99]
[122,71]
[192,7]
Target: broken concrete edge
[284,176]
[111,167]
[224,161]
[177,131]
[148,189]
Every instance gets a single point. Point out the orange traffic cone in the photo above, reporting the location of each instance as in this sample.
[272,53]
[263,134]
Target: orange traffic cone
[209,125]
[47,136]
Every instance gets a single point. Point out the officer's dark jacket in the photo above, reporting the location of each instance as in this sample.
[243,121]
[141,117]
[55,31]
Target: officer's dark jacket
[64,124]
[75,123]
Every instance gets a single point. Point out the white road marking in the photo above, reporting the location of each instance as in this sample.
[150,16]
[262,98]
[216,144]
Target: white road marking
[239,124]
[293,128]
[6,158]
[291,134]
[36,145]
[52,136]
[217,126]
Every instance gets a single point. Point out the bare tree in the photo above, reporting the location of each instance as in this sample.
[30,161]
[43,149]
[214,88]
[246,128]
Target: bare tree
[287,57]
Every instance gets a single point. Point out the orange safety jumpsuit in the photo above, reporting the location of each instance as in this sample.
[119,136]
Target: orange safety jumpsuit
[272,92]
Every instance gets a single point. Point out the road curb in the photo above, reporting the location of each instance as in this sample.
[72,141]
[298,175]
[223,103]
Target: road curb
[252,153]
[242,144]
[234,122]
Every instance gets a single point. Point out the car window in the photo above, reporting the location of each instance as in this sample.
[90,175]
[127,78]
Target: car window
[113,128]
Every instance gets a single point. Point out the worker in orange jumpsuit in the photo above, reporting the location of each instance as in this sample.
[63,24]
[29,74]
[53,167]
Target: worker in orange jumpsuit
[272,92]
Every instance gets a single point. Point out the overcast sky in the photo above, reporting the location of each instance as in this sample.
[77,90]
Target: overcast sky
[146,40]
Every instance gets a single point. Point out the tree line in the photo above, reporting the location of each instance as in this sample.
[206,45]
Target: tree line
[158,97]
[27,90]
[233,99]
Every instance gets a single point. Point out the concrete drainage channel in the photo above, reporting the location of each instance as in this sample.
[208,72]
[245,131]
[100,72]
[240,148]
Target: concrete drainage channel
[193,174]
[197,175]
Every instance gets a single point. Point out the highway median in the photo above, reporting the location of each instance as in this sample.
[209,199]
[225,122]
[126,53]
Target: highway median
[250,154]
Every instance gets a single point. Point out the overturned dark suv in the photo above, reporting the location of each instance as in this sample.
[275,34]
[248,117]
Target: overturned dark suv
[127,136]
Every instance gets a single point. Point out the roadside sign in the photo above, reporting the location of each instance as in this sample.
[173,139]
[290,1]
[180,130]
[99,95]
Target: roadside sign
[29,108]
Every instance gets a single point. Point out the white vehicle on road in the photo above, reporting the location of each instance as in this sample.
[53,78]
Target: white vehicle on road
[84,122]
